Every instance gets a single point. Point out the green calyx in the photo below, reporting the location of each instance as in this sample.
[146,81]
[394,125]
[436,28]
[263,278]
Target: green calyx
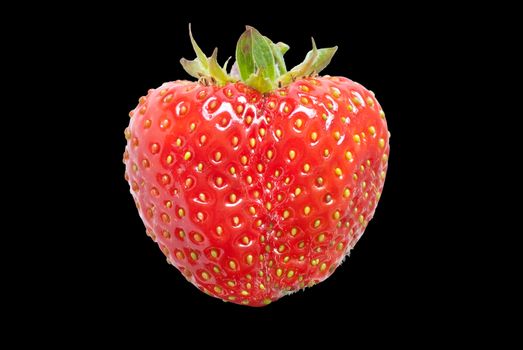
[259,63]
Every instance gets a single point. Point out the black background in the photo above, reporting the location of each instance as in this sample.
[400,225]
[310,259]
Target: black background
[396,281]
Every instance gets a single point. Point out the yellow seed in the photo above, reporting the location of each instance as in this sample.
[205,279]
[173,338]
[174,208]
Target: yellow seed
[232,265]
[286,214]
[372,130]
[268,205]
[252,142]
[200,216]
[297,191]
[252,210]
[270,154]
[292,154]
[290,274]
[315,262]
[336,135]
[219,230]
[256,194]
[205,275]
[217,156]
[181,212]
[219,181]
[262,132]
[319,180]
[192,126]
[243,160]
[298,123]
[232,170]
[236,220]
[301,245]
[304,88]
[267,301]
[360,219]
[248,120]
[355,177]
[294,231]
[382,114]
[306,167]
[168,204]
[336,215]
[231,283]
[287,180]
[216,269]
[245,293]
[281,248]
[187,155]
[368,162]
[339,246]
[249,259]
[348,155]
[335,92]
[239,109]
[356,138]
[197,237]
[217,289]
[382,174]
[279,272]
[181,233]
[235,141]
[286,109]
[317,223]
[314,136]
[370,101]
[279,197]
[307,210]
[232,198]
[169,159]
[178,142]
[329,105]
[324,116]
[194,256]
[323,267]
[278,133]
[249,179]
[272,104]
[321,238]
[214,253]
[338,172]
[326,152]
[381,142]
[261,286]
[200,166]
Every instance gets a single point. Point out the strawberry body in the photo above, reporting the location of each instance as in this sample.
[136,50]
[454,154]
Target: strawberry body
[253,196]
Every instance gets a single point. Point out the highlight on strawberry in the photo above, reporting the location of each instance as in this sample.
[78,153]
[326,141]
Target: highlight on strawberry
[258,181]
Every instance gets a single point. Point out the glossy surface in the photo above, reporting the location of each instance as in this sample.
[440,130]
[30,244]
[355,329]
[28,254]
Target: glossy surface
[254,196]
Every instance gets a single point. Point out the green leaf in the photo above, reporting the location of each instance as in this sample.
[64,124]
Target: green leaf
[315,61]
[199,53]
[260,83]
[216,71]
[277,51]
[262,54]
[194,68]
[244,58]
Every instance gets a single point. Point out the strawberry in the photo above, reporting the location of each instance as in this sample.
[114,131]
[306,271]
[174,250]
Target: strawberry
[257,183]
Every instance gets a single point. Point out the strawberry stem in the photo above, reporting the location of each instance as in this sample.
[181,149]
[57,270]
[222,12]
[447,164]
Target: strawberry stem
[259,63]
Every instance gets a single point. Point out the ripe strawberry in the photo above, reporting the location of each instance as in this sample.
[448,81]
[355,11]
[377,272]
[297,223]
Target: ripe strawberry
[252,190]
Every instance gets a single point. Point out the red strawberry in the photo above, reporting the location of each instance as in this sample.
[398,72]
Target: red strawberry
[254,192]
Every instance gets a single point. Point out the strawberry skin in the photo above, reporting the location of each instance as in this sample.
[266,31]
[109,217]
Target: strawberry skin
[253,196]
